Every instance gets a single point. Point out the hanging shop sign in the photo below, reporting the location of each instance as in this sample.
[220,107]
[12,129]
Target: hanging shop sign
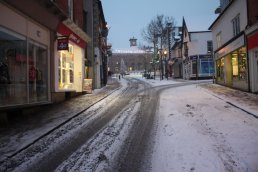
[64,30]
[62,43]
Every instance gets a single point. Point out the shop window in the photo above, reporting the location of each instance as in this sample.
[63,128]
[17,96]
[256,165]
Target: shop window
[220,68]
[206,66]
[242,67]
[66,69]
[38,72]
[239,64]
[23,70]
[13,68]
[235,66]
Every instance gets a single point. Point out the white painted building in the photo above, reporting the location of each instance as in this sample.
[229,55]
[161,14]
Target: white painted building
[230,46]
[196,52]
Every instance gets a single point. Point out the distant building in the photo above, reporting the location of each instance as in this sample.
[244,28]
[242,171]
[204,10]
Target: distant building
[132,59]
[175,63]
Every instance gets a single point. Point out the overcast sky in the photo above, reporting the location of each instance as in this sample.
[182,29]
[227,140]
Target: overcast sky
[127,18]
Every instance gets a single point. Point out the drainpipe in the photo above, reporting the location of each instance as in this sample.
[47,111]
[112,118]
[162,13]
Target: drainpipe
[248,66]
[247,52]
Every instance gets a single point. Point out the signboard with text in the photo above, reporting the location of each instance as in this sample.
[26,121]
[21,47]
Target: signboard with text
[87,85]
[62,43]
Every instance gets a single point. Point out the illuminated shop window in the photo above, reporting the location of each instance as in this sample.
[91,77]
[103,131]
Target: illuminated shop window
[66,69]
[239,64]
[235,66]
[220,68]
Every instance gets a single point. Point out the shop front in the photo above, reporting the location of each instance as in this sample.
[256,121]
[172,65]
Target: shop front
[231,65]
[198,67]
[24,60]
[252,39]
[70,61]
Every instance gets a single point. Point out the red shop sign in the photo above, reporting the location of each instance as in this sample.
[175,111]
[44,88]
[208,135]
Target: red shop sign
[252,41]
[62,43]
[64,30]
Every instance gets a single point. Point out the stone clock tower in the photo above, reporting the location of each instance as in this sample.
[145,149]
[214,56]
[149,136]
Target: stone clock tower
[133,42]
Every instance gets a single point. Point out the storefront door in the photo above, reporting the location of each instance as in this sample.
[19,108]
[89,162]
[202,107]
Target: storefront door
[255,70]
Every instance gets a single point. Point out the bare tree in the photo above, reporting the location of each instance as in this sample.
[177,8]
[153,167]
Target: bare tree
[158,28]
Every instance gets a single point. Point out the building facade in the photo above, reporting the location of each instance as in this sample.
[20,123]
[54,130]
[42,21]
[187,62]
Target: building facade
[196,54]
[46,59]
[252,43]
[26,50]
[175,63]
[69,61]
[230,48]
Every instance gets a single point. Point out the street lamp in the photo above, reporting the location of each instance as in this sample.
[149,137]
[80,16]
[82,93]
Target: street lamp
[165,56]
[169,27]
[162,56]
[161,66]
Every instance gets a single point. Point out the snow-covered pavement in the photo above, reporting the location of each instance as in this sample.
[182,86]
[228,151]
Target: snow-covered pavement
[199,132]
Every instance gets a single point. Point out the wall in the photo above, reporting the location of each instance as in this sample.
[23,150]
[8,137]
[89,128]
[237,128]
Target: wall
[224,24]
[252,11]
[199,42]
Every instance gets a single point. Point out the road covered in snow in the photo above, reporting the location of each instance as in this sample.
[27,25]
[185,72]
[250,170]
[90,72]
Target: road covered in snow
[150,125]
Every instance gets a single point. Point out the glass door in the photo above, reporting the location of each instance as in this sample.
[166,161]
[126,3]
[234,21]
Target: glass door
[256,70]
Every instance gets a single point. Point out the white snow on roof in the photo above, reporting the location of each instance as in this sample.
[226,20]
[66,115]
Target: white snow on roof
[130,50]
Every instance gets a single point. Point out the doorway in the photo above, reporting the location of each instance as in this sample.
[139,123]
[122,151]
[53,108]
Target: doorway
[255,70]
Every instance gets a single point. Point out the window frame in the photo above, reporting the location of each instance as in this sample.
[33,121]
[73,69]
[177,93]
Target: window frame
[236,25]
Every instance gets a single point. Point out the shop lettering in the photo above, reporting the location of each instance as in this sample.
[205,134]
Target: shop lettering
[74,38]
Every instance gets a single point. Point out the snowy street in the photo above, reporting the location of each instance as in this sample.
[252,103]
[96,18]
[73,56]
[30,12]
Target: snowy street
[143,125]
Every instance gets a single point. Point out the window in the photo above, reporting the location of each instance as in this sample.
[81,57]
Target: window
[218,39]
[70,9]
[38,75]
[236,25]
[209,47]
[185,49]
[206,66]
[239,64]
[85,20]
[66,69]
[235,66]
[220,69]
[23,69]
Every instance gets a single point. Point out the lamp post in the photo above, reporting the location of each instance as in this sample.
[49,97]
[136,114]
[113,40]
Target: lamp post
[169,26]
[165,59]
[162,57]
[161,65]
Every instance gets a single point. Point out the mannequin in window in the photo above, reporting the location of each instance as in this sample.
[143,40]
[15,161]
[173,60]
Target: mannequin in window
[4,77]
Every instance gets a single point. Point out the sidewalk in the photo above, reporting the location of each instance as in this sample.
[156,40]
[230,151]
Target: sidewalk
[245,101]
[25,129]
